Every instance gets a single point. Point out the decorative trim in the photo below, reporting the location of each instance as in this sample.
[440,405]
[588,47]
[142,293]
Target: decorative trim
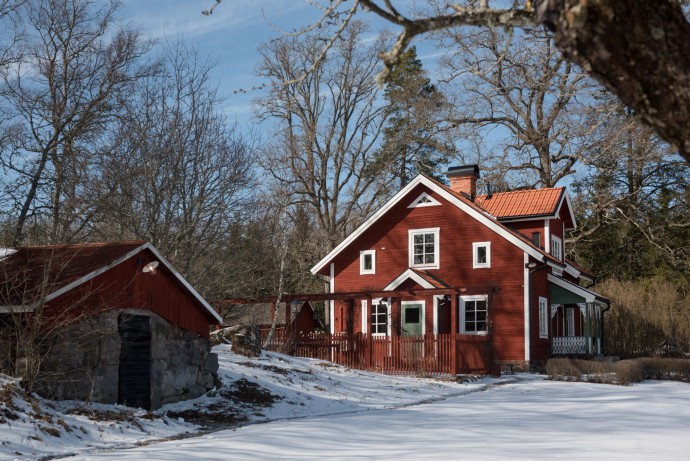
[424,200]
[408,274]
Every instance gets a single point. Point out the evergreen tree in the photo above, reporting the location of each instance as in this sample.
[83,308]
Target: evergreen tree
[413,141]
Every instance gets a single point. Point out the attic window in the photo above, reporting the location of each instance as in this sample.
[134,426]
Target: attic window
[424,200]
[367,262]
[481,255]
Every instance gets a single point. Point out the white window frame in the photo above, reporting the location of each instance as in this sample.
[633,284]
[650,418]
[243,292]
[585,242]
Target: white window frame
[475,247]
[377,303]
[557,247]
[423,200]
[543,318]
[362,257]
[436,231]
[463,301]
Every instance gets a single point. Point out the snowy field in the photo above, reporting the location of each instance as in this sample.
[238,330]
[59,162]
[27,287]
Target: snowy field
[328,412]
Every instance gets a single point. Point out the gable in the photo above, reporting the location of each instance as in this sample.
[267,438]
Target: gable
[406,196]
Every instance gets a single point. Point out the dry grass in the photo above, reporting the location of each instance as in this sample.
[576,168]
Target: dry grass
[623,372]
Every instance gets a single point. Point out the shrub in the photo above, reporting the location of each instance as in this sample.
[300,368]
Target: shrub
[623,372]
[629,371]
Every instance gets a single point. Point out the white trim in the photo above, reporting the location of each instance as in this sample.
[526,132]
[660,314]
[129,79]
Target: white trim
[364,316]
[571,270]
[331,287]
[436,231]
[416,202]
[362,254]
[436,299]
[547,236]
[475,263]
[566,198]
[543,318]
[423,303]
[408,274]
[526,304]
[461,305]
[570,321]
[590,296]
[387,302]
[483,218]
[18,309]
[121,259]
[557,242]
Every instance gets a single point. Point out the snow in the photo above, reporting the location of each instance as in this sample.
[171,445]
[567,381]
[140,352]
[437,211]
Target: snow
[330,412]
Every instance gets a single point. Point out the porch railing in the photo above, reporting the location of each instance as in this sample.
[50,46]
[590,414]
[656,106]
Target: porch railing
[409,355]
[565,345]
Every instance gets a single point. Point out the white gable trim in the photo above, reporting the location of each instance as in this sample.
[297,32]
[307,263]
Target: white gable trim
[430,201]
[483,218]
[123,258]
[408,274]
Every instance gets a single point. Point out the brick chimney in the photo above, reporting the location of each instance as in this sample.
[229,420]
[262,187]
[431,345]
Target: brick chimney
[463,180]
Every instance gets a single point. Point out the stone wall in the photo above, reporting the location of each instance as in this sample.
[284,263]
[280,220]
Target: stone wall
[84,361]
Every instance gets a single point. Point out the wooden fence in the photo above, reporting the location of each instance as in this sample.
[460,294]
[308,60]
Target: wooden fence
[408,355]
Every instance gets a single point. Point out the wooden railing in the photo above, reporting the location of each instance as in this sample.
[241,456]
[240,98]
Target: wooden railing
[421,355]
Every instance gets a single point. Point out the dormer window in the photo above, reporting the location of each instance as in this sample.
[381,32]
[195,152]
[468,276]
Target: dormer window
[556,248]
[423,200]
[367,262]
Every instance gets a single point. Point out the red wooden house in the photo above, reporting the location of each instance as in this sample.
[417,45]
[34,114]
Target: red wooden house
[110,322]
[486,274]
[303,319]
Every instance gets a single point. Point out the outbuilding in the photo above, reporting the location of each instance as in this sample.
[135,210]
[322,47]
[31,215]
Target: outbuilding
[105,322]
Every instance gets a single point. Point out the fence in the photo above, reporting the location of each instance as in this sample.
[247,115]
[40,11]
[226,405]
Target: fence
[428,354]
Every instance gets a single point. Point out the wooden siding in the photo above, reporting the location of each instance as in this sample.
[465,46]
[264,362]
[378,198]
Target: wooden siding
[541,347]
[502,282]
[124,286]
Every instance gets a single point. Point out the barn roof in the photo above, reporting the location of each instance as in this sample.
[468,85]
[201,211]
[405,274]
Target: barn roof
[35,274]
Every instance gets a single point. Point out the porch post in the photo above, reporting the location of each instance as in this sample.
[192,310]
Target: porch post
[395,332]
[454,334]
[370,340]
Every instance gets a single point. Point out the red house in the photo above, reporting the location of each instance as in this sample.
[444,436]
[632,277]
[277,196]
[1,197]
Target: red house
[485,273]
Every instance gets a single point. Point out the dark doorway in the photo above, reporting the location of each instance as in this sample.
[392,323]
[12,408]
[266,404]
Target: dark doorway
[135,361]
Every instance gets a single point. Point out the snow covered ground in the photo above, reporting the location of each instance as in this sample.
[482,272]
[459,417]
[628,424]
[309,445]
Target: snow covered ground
[325,411]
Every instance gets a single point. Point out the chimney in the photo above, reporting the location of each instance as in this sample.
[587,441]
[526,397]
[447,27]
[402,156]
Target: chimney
[463,180]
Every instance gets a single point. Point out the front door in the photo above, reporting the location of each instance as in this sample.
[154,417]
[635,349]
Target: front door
[412,316]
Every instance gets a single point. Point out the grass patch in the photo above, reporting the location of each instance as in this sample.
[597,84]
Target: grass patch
[622,372]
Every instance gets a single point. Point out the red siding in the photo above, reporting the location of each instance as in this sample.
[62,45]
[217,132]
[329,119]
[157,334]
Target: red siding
[124,286]
[503,282]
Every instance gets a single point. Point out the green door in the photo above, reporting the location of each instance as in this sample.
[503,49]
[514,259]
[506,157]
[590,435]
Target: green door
[412,315]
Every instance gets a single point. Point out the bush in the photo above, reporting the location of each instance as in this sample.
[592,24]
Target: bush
[623,372]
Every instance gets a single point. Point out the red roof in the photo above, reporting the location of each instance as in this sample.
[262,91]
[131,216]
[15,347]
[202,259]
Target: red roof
[31,273]
[522,203]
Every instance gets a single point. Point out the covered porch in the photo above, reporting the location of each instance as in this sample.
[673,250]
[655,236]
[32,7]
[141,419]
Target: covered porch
[576,319]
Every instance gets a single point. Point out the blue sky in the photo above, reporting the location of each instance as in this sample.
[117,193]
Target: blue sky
[230,36]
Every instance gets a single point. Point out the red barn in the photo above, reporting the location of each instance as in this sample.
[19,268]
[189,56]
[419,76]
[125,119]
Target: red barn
[110,322]
[487,271]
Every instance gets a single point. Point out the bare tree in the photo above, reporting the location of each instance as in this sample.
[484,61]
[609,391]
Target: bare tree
[75,68]
[177,173]
[327,125]
[530,108]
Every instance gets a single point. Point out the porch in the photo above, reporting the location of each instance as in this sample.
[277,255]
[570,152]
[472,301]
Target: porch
[576,319]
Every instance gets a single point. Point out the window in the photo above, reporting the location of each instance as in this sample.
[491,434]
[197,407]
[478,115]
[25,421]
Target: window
[473,314]
[543,318]
[367,262]
[556,247]
[481,252]
[570,322]
[423,200]
[379,317]
[424,248]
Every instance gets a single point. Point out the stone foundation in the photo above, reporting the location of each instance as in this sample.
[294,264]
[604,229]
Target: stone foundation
[83,363]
